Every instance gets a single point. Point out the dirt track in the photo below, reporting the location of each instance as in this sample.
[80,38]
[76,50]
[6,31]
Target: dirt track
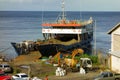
[75,76]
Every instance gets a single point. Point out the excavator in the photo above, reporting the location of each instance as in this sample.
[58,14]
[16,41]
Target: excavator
[70,61]
[63,58]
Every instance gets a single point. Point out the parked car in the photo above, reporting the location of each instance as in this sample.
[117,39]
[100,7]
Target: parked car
[20,76]
[4,76]
[5,68]
[107,76]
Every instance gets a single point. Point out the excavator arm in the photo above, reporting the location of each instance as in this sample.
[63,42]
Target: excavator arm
[71,61]
[76,51]
[57,56]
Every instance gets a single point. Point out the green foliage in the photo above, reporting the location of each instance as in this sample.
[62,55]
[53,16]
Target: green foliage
[84,56]
[94,59]
[44,57]
[39,40]
[69,57]
[16,70]
[77,58]
[56,59]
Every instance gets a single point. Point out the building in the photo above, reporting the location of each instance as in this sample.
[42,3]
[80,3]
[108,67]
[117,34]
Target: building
[115,48]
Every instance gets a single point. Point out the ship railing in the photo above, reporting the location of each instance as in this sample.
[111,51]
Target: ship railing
[83,22]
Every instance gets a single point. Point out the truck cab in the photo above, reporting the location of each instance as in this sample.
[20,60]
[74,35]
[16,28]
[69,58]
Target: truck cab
[86,62]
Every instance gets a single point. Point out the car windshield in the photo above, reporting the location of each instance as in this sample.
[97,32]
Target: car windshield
[6,66]
[17,75]
[0,65]
[2,74]
[24,76]
[88,61]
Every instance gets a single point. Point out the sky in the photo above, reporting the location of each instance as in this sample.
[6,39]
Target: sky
[55,5]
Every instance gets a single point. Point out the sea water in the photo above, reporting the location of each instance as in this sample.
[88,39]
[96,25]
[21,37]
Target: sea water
[17,26]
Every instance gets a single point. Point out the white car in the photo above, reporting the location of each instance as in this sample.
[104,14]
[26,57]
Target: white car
[5,67]
[20,76]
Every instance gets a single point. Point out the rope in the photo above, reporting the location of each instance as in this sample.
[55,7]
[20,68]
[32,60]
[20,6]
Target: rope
[5,49]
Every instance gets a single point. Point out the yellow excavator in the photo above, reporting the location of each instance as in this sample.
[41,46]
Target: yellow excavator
[69,61]
[57,57]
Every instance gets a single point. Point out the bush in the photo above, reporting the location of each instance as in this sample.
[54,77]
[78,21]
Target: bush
[16,70]
[94,59]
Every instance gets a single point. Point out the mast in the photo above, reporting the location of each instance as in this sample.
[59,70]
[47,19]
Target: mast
[63,9]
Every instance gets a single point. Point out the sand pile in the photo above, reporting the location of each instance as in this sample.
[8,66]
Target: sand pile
[55,41]
[26,59]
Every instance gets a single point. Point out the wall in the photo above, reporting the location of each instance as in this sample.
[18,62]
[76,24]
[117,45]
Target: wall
[115,43]
[115,64]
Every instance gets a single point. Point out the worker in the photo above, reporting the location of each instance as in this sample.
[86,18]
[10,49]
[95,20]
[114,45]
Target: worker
[46,77]
[61,55]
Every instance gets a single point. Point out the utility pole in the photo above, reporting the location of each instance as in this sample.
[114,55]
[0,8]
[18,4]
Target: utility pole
[95,37]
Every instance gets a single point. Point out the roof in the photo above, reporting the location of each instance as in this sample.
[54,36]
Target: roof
[21,74]
[115,53]
[61,25]
[68,23]
[114,28]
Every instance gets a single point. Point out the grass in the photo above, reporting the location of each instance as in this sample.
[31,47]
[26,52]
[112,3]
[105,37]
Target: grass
[39,69]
